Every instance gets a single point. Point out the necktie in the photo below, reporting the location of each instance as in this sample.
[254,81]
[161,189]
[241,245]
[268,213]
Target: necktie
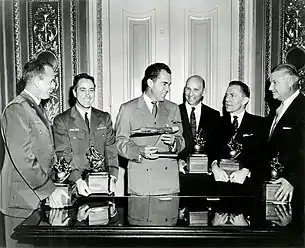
[193,122]
[235,123]
[87,121]
[154,109]
[276,119]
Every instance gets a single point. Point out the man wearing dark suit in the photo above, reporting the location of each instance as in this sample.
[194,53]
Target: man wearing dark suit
[287,131]
[196,118]
[148,172]
[250,131]
[82,126]
[29,151]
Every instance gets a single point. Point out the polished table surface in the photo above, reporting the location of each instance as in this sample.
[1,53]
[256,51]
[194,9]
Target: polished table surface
[172,220]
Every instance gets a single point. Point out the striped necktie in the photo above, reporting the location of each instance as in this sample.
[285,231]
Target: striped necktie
[193,122]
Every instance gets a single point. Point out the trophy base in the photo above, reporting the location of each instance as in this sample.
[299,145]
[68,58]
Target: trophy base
[98,182]
[270,212]
[98,216]
[198,218]
[70,191]
[270,190]
[229,165]
[197,163]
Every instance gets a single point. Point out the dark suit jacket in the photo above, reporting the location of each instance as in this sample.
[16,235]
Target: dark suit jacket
[251,134]
[288,140]
[148,177]
[29,156]
[72,136]
[209,123]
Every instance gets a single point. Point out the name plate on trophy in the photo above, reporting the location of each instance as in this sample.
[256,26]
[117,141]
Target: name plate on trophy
[96,175]
[98,182]
[270,212]
[197,163]
[270,190]
[229,165]
[71,192]
[199,218]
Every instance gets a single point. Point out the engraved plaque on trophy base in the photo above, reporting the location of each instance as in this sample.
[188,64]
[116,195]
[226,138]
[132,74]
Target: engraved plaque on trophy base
[199,218]
[98,216]
[98,182]
[270,212]
[197,163]
[71,192]
[229,165]
[270,190]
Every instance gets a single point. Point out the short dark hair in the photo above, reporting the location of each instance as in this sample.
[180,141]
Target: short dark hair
[34,68]
[80,76]
[152,72]
[244,88]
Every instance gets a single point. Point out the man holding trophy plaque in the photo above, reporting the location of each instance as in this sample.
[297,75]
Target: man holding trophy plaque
[86,134]
[240,142]
[199,122]
[286,143]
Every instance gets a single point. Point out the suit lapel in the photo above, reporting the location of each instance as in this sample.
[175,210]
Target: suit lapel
[162,115]
[95,120]
[142,108]
[78,119]
[287,116]
[186,123]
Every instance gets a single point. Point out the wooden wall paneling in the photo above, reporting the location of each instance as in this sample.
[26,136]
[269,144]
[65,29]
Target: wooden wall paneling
[201,56]
[138,37]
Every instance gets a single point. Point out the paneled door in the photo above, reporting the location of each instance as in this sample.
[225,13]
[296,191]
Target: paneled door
[191,36]
[203,41]
[138,36]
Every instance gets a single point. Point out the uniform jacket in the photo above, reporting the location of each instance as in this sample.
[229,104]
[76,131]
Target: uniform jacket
[71,136]
[148,177]
[209,124]
[29,156]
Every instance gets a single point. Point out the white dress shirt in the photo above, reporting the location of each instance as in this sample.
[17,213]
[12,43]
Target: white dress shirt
[283,107]
[148,102]
[240,117]
[83,112]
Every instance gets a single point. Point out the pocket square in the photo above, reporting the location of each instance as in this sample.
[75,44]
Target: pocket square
[287,128]
[73,129]
[247,134]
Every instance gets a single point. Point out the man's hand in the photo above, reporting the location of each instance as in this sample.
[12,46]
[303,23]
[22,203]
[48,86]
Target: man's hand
[284,214]
[57,198]
[149,152]
[83,212]
[168,139]
[220,219]
[112,185]
[219,174]
[59,217]
[238,220]
[82,187]
[285,191]
[182,165]
[239,176]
